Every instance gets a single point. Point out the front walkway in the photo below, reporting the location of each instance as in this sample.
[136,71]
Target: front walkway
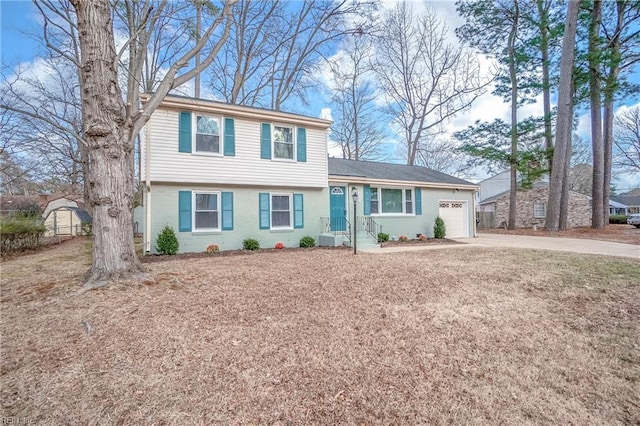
[575,245]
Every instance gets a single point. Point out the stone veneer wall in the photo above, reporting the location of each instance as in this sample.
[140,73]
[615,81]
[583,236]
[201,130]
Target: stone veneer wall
[579,209]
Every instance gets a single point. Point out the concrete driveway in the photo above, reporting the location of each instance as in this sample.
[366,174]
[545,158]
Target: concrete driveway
[575,245]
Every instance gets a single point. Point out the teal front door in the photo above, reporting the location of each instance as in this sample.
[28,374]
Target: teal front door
[338,209]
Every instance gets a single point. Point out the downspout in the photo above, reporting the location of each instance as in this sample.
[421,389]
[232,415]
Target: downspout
[474,213]
[147,192]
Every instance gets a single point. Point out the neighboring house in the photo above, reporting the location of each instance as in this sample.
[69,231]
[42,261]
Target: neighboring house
[494,185]
[625,204]
[219,173]
[66,221]
[400,199]
[531,207]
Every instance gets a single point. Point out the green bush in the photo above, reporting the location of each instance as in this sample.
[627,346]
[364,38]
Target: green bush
[439,229]
[87,228]
[250,244]
[167,242]
[20,233]
[382,237]
[307,242]
[618,219]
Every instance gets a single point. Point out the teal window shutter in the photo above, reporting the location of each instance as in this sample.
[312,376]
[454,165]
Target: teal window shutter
[265,213]
[184,132]
[366,206]
[229,137]
[302,144]
[265,141]
[184,211]
[418,197]
[227,211]
[298,211]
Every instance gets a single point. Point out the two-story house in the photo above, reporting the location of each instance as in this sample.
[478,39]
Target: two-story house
[220,173]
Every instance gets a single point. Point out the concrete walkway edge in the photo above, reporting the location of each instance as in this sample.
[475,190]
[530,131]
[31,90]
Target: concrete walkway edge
[574,245]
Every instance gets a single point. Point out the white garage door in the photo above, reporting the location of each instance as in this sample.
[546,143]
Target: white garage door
[454,214]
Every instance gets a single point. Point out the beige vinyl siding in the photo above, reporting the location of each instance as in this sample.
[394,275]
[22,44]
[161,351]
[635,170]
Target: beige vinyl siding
[245,168]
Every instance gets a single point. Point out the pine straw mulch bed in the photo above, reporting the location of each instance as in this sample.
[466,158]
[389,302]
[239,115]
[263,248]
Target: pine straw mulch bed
[461,336]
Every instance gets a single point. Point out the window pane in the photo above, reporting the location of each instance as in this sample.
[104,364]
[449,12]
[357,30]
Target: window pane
[407,195]
[374,207]
[280,202]
[207,125]
[374,194]
[409,207]
[206,201]
[283,150]
[207,143]
[280,219]
[283,134]
[391,200]
[206,220]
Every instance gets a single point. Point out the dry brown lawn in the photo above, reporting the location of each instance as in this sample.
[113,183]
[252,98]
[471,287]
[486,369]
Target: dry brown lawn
[462,336]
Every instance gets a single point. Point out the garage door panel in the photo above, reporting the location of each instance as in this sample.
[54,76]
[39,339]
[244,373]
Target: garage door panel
[454,214]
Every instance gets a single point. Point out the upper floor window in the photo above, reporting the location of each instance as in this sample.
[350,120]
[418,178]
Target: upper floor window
[283,145]
[207,134]
[391,201]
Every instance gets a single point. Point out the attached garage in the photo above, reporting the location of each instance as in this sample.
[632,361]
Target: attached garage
[454,214]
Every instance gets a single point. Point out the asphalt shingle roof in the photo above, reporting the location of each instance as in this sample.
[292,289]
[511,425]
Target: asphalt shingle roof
[390,171]
[627,200]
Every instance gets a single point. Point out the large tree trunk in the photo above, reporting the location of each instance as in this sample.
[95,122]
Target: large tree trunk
[609,92]
[595,100]
[543,12]
[513,193]
[110,148]
[565,118]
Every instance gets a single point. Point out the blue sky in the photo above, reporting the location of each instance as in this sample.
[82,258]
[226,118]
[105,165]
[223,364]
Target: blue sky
[20,17]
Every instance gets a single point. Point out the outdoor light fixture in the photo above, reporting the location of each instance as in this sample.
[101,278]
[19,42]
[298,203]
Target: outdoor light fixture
[354,196]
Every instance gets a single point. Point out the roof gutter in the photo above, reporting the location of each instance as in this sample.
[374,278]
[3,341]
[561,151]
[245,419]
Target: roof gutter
[363,180]
[239,111]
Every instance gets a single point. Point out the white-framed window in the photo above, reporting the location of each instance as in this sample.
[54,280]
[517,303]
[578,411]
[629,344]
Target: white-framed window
[539,210]
[206,211]
[408,201]
[207,134]
[283,142]
[281,211]
[392,201]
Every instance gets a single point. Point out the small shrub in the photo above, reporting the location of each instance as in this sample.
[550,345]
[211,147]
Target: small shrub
[212,249]
[19,233]
[279,245]
[167,243]
[382,237]
[87,228]
[422,237]
[250,244]
[403,238]
[307,242]
[439,229]
[618,219]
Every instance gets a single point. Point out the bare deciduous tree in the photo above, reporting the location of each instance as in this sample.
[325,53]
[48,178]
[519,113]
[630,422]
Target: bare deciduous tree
[626,138]
[274,48]
[358,128]
[426,80]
